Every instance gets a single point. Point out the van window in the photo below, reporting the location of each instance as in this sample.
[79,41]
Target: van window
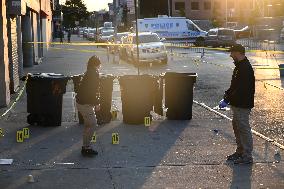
[191,26]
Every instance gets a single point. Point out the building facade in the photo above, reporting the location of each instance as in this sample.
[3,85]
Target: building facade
[213,9]
[21,23]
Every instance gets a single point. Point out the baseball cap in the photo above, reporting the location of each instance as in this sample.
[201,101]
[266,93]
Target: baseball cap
[237,48]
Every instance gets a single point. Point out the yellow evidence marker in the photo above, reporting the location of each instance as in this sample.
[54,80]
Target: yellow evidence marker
[113,115]
[147,121]
[94,138]
[26,132]
[115,138]
[20,136]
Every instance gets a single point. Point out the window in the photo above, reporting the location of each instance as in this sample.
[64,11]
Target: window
[207,5]
[179,5]
[194,5]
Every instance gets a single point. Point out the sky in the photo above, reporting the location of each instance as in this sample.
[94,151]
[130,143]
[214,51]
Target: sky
[94,5]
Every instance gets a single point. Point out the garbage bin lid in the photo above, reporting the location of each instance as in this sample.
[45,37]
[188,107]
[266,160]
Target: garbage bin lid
[176,74]
[46,76]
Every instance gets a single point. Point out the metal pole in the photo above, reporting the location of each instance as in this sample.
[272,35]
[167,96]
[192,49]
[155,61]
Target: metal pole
[226,13]
[169,8]
[137,39]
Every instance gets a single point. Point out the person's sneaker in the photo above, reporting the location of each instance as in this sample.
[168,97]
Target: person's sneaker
[234,156]
[243,160]
[88,152]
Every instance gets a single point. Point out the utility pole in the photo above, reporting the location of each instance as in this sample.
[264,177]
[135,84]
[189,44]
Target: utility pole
[137,39]
[169,8]
[226,12]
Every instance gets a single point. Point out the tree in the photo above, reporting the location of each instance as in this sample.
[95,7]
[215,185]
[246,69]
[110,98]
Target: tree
[74,10]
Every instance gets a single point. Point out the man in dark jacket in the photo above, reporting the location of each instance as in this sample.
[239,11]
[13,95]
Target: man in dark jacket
[88,103]
[240,96]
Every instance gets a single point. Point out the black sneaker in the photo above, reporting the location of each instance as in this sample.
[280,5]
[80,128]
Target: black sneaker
[243,160]
[88,152]
[234,156]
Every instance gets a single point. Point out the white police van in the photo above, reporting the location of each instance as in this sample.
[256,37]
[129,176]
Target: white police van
[172,28]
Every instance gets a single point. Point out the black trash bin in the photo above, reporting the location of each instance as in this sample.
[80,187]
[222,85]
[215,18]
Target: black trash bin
[137,96]
[106,88]
[179,95]
[76,81]
[44,98]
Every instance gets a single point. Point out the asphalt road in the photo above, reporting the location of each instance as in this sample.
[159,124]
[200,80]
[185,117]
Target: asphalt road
[214,74]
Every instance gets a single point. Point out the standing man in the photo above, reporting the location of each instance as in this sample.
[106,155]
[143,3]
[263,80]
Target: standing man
[69,35]
[61,35]
[88,103]
[240,96]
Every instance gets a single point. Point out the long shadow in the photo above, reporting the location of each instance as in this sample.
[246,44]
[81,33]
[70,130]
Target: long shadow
[241,176]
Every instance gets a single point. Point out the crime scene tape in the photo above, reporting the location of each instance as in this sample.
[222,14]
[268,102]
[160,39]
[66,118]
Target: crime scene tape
[167,45]
[221,49]
[220,65]
[16,100]
[230,119]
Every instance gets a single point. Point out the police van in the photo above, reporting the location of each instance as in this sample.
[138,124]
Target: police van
[172,28]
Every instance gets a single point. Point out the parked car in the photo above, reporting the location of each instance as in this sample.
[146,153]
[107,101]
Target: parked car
[243,33]
[85,33]
[151,48]
[282,35]
[105,36]
[91,34]
[220,37]
[81,32]
[116,39]
[122,47]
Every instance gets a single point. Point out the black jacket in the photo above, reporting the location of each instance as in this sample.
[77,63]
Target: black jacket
[88,92]
[241,92]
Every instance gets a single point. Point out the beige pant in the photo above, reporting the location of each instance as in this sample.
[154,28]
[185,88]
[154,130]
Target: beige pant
[90,122]
[242,131]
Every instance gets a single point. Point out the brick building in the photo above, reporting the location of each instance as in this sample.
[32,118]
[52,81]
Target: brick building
[213,9]
[21,21]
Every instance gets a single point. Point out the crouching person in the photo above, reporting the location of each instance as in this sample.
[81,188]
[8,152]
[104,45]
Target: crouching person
[88,103]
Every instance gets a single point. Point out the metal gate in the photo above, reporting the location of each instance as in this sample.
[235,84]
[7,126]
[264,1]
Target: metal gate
[13,53]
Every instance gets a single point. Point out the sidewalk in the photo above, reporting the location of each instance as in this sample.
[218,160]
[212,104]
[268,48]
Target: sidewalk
[168,154]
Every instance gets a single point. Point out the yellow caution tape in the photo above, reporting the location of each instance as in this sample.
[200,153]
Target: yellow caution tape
[17,99]
[1,132]
[115,138]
